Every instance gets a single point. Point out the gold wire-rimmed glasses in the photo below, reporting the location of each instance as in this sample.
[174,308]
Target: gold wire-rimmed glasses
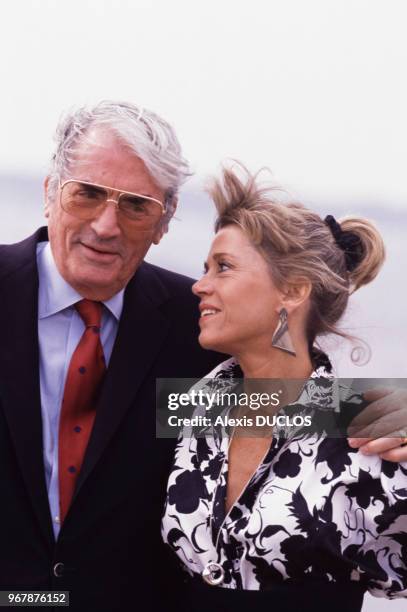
[86,201]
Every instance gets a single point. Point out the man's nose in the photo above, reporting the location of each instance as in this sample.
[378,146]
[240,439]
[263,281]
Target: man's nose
[106,224]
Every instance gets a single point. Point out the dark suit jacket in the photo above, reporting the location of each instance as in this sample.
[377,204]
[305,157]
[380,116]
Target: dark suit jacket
[108,548]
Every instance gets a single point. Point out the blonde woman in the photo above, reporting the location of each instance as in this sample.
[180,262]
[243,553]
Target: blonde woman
[270,521]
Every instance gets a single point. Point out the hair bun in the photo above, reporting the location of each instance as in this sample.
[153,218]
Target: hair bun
[349,242]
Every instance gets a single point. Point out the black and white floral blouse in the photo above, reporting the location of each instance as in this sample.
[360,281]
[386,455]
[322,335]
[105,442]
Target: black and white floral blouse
[314,509]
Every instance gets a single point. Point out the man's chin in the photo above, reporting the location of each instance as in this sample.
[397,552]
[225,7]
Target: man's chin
[96,285]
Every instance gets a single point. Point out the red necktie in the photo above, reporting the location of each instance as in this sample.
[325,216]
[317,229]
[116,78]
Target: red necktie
[82,386]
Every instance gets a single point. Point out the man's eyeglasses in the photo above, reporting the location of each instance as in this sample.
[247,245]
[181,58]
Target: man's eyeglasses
[87,200]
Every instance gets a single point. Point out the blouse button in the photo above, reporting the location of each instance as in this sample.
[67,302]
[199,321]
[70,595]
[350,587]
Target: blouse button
[213,574]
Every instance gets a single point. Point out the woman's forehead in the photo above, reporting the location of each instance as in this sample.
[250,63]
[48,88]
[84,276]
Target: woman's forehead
[233,243]
[230,238]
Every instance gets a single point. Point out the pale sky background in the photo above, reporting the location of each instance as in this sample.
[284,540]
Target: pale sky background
[314,89]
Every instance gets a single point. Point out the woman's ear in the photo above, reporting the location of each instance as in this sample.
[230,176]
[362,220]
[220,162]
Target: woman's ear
[295,294]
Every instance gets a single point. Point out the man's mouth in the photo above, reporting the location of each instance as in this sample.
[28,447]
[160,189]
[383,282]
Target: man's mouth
[101,254]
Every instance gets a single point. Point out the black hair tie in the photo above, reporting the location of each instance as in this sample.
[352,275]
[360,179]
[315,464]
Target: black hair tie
[349,242]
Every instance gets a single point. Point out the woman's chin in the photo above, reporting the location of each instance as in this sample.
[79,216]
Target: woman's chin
[212,344]
[205,342]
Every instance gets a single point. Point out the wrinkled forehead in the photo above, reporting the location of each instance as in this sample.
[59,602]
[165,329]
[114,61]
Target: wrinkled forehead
[101,157]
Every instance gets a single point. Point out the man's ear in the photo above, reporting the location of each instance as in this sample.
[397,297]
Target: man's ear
[47,204]
[159,233]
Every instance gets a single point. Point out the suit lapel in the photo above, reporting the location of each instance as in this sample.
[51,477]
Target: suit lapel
[19,371]
[141,332]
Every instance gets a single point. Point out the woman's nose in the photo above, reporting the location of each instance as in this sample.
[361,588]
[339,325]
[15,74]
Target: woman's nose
[202,286]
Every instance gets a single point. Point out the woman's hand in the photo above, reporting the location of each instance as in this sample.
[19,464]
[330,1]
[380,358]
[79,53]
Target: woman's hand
[381,428]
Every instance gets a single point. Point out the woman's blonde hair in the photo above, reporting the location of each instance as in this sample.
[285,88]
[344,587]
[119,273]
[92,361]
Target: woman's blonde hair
[300,246]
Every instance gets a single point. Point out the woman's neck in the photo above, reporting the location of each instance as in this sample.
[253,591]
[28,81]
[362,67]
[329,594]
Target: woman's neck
[272,371]
[276,363]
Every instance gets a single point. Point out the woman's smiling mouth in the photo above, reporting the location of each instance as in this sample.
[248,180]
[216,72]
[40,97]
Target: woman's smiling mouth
[208,311]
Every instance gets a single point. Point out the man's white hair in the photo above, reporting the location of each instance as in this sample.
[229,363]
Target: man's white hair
[151,138]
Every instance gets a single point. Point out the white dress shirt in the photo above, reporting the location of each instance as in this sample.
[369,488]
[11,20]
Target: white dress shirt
[60,328]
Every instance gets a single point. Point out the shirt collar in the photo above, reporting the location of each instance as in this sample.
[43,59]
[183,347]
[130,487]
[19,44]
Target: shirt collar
[55,294]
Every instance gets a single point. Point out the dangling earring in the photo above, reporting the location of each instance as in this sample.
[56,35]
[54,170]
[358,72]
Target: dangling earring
[281,337]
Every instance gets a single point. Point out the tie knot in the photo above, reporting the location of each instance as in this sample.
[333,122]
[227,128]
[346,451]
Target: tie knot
[90,312]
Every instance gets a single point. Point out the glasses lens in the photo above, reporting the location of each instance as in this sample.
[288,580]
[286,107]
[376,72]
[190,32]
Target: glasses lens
[86,201]
[140,209]
[82,200]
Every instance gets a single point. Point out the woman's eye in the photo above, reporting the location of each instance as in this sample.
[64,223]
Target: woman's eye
[223,266]
[220,266]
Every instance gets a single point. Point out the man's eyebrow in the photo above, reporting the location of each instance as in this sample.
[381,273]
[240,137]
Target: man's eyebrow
[137,193]
[90,185]
[102,187]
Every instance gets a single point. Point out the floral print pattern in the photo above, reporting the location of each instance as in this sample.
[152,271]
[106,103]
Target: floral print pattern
[315,509]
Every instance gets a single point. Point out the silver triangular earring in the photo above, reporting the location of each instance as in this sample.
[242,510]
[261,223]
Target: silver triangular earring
[281,337]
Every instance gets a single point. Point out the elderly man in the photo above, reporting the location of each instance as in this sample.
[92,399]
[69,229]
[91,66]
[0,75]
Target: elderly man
[87,328]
